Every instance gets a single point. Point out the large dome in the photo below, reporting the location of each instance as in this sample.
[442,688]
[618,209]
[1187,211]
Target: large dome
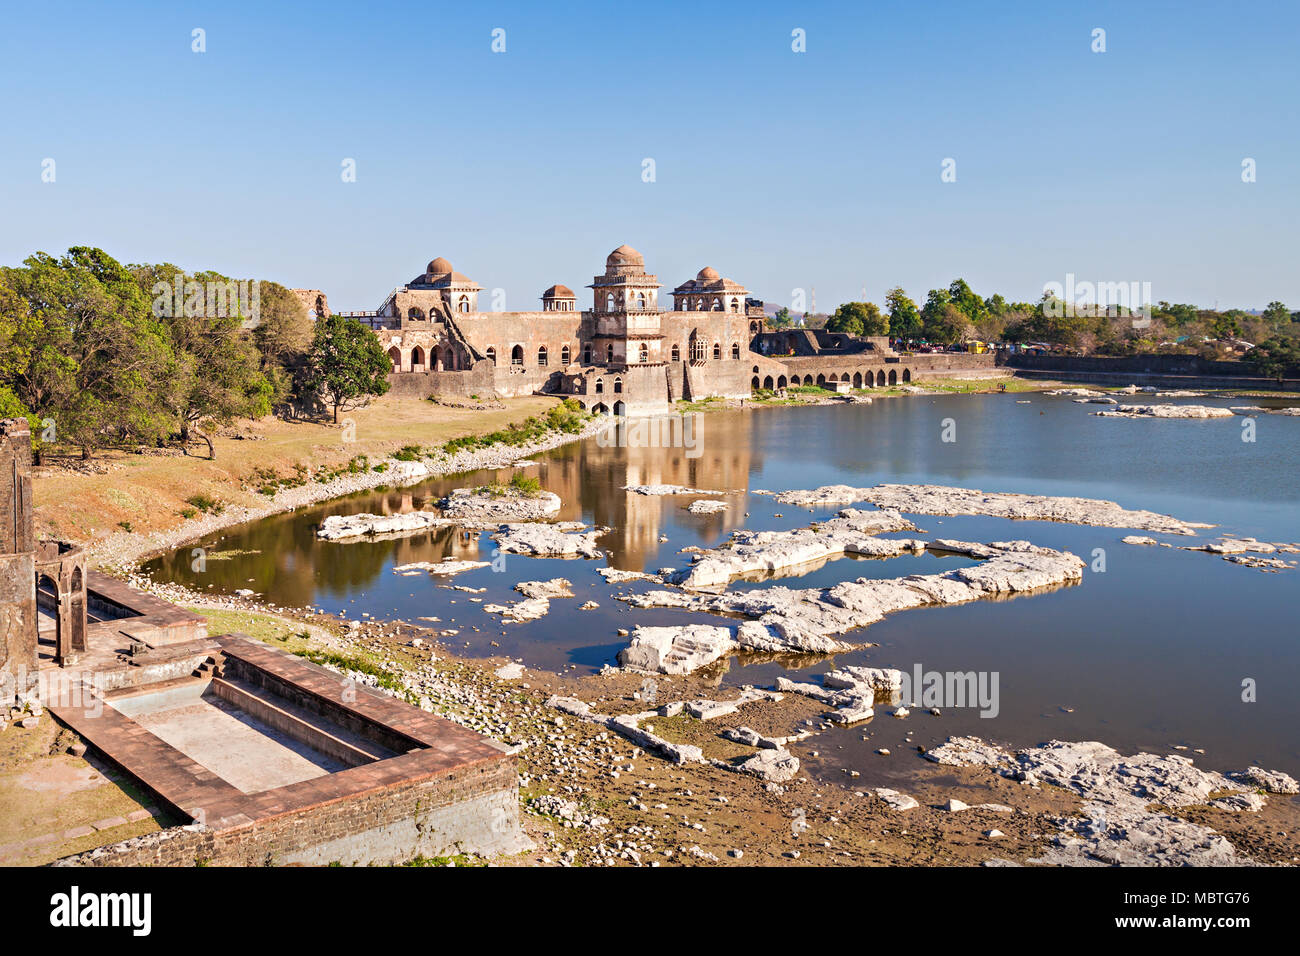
[439,267]
[625,256]
[708,274]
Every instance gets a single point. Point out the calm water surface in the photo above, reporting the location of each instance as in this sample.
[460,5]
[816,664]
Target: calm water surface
[1149,654]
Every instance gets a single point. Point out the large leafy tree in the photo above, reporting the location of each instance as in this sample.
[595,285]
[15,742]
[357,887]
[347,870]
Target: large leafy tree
[97,362]
[347,365]
[858,318]
[218,373]
[904,317]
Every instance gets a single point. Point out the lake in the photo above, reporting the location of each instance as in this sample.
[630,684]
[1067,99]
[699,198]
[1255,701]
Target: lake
[1149,653]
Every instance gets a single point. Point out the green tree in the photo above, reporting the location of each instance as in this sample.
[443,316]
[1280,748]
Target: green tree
[858,318]
[97,361]
[1274,358]
[1276,313]
[347,365]
[904,317]
[964,298]
[782,318]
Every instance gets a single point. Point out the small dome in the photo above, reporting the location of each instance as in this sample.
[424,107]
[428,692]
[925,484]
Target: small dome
[625,256]
[558,292]
[708,274]
[439,267]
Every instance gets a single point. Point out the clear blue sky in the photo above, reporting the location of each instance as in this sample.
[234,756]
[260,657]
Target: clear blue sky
[780,169]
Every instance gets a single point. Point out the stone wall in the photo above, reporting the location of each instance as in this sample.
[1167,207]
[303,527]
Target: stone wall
[1147,369]
[469,810]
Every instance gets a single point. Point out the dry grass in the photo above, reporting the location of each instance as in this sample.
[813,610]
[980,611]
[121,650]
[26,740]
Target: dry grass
[150,492]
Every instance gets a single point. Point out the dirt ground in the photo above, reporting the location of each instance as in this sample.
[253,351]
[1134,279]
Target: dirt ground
[148,492]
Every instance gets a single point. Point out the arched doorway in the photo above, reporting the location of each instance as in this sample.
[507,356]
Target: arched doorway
[753,383]
[857,379]
[769,383]
[780,382]
[600,408]
[893,377]
[491,354]
[517,355]
[417,359]
[395,354]
[880,377]
[620,408]
[821,381]
[907,375]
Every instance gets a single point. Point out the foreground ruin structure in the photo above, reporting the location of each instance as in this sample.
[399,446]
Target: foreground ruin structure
[257,756]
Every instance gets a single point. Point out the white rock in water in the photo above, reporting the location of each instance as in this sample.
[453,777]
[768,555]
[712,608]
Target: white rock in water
[510,671]
[439,567]
[342,527]
[1138,539]
[495,507]
[657,490]
[519,612]
[676,650]
[554,588]
[547,540]
[706,507]
[1167,411]
[944,500]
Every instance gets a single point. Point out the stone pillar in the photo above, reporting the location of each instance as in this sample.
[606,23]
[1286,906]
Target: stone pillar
[18,622]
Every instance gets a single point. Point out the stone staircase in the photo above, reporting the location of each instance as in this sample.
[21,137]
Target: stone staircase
[214,666]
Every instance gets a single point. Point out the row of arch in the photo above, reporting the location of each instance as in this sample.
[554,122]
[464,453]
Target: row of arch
[822,380]
[683,304]
[699,350]
[436,359]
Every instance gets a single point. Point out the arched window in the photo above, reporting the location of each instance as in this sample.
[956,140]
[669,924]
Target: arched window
[417,358]
[586,355]
[677,353]
[609,354]
[396,355]
[645,352]
[717,351]
[735,304]
[464,304]
[492,355]
[735,350]
[717,303]
[600,386]
[609,302]
[564,355]
[415,312]
[541,357]
[640,300]
[517,355]
[618,385]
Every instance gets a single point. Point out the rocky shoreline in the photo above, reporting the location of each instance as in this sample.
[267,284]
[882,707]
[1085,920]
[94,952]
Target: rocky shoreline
[121,551]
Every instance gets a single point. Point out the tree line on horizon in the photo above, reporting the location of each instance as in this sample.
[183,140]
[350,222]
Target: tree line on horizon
[958,314]
[98,354]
